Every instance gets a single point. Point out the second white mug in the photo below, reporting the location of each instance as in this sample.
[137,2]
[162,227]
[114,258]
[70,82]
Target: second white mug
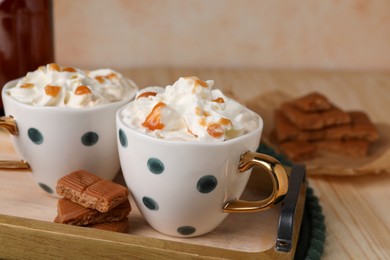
[54,141]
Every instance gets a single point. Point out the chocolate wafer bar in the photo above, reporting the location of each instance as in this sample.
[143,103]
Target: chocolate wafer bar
[354,148]
[118,226]
[314,120]
[298,150]
[75,214]
[360,128]
[286,131]
[312,102]
[90,191]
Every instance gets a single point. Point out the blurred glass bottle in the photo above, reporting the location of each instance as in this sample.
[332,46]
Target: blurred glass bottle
[26,38]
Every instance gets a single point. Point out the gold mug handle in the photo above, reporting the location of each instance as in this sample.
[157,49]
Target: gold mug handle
[9,123]
[279,182]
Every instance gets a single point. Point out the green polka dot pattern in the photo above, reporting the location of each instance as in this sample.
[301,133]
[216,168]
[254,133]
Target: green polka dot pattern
[155,166]
[122,138]
[35,135]
[207,184]
[89,138]
[150,203]
[186,230]
[45,188]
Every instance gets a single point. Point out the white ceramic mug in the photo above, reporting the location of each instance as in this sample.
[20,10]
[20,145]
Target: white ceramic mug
[54,141]
[187,189]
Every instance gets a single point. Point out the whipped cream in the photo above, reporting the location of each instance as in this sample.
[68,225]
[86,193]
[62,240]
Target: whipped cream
[188,110]
[52,85]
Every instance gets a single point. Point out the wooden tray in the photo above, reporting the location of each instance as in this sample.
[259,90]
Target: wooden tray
[27,229]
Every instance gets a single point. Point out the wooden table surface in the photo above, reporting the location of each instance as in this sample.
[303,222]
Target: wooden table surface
[356,208]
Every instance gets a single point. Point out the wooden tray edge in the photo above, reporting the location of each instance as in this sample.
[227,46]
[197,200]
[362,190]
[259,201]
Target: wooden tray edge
[31,239]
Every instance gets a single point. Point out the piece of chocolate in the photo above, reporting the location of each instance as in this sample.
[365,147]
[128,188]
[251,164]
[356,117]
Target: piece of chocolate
[90,191]
[312,102]
[361,127]
[298,150]
[286,131]
[302,150]
[354,148]
[118,226]
[75,214]
[314,120]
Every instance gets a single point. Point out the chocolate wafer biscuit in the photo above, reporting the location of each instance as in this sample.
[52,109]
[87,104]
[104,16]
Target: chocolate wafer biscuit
[361,127]
[310,124]
[75,214]
[314,120]
[286,131]
[354,148]
[90,191]
[118,226]
[298,150]
[312,102]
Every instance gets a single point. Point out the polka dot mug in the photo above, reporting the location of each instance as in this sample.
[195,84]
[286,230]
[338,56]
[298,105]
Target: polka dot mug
[186,189]
[54,141]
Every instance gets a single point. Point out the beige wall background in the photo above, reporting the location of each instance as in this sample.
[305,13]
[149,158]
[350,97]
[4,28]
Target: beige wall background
[300,34]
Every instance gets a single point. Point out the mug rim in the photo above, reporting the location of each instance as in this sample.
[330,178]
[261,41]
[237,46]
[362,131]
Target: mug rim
[13,82]
[255,132]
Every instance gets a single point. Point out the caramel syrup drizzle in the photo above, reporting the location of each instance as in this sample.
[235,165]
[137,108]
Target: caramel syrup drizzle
[225,121]
[147,94]
[54,66]
[69,69]
[52,90]
[200,112]
[82,90]
[153,119]
[197,83]
[100,79]
[190,132]
[27,85]
[111,76]
[215,130]
[108,76]
[219,100]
